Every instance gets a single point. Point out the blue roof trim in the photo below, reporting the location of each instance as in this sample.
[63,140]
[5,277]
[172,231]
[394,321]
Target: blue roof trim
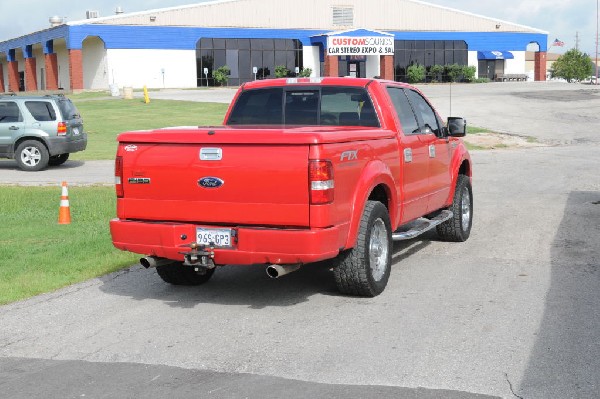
[185,38]
[495,55]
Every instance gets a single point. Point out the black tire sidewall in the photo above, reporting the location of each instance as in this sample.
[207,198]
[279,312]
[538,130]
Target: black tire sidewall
[44,156]
[379,212]
[457,208]
[57,160]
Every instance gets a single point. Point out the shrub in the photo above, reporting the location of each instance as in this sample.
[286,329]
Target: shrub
[468,73]
[416,73]
[305,73]
[453,71]
[281,71]
[221,75]
[436,73]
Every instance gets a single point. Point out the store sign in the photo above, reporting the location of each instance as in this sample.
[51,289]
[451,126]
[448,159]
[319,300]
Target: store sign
[341,45]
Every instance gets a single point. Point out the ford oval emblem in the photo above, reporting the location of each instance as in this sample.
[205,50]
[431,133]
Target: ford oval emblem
[210,182]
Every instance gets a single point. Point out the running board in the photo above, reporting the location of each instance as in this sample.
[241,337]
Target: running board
[422,225]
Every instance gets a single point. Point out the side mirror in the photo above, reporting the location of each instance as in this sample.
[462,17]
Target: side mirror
[457,127]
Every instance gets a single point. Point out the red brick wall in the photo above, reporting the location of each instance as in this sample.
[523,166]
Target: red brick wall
[331,66]
[30,74]
[1,79]
[13,76]
[76,69]
[386,67]
[51,72]
[540,66]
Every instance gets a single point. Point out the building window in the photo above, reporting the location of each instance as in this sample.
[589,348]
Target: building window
[242,55]
[343,16]
[427,53]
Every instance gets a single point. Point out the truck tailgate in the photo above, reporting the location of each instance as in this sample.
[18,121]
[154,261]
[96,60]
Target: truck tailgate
[224,184]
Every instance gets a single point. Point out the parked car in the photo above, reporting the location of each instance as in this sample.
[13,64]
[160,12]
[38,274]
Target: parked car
[38,131]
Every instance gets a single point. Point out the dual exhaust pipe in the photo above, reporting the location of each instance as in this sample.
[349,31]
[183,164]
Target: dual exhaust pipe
[150,262]
[273,271]
[276,271]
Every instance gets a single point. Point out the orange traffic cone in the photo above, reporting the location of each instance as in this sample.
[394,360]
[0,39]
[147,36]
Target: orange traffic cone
[64,213]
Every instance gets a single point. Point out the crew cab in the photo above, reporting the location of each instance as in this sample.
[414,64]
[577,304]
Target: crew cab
[302,170]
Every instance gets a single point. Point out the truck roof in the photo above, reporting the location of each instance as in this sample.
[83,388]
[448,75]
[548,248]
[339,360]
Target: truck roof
[328,81]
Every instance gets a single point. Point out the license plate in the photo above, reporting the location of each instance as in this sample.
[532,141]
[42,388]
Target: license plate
[216,237]
[76,131]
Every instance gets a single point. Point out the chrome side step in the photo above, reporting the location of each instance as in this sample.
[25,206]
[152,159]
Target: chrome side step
[422,225]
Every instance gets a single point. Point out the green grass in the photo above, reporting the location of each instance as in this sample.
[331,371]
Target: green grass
[105,119]
[38,255]
[476,130]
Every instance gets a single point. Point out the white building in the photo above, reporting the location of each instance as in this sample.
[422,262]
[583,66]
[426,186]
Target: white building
[173,47]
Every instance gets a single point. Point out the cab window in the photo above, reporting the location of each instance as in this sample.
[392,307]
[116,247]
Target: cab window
[404,109]
[425,114]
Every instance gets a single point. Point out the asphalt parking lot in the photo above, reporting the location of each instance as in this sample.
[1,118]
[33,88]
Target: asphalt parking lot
[513,312]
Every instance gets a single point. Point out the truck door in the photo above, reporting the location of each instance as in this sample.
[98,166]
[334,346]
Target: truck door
[438,149]
[414,158]
[11,125]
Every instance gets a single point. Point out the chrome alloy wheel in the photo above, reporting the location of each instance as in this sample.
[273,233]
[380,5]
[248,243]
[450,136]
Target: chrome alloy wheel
[465,206]
[31,156]
[379,247]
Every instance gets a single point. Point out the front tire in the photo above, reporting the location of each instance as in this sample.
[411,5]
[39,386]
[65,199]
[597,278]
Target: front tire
[458,228]
[32,155]
[365,269]
[177,274]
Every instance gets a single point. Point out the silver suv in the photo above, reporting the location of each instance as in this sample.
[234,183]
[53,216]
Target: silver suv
[38,131]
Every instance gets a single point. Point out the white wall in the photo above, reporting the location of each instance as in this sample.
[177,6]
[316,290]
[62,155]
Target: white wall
[95,72]
[138,68]
[40,66]
[473,61]
[516,65]
[310,59]
[373,63]
[62,56]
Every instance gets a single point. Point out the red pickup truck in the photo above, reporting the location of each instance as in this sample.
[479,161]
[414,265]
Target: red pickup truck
[303,170]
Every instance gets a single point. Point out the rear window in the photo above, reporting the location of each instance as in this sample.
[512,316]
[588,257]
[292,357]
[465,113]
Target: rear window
[68,109]
[331,106]
[41,111]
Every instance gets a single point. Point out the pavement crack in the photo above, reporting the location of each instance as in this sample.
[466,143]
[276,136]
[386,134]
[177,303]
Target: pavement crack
[511,387]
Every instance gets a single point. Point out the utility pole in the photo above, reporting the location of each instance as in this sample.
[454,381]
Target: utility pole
[577,40]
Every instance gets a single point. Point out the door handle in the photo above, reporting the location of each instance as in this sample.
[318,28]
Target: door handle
[13,128]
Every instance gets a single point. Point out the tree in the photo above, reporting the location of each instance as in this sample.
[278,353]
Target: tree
[454,72]
[221,75]
[572,65]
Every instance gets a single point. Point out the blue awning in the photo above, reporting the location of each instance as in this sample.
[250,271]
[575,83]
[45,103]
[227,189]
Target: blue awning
[495,55]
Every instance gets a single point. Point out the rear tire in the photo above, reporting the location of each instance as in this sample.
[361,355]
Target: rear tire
[365,269]
[458,228]
[31,156]
[177,274]
[59,159]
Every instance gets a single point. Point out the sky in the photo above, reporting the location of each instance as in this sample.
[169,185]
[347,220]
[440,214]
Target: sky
[561,18]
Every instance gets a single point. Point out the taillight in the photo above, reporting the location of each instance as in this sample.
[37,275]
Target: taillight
[320,174]
[119,176]
[62,129]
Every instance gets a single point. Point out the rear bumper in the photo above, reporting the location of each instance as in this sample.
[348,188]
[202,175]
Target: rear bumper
[67,145]
[254,245]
